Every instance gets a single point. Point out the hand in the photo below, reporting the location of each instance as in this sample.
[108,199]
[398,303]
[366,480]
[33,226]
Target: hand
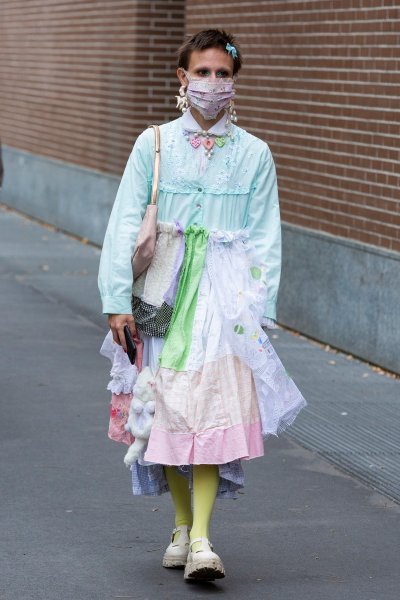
[117,324]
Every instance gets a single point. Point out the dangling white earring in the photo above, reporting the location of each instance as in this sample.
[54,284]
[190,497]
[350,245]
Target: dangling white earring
[182,100]
[232,112]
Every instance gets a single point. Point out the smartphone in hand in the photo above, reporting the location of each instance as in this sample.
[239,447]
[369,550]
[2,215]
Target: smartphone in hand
[130,345]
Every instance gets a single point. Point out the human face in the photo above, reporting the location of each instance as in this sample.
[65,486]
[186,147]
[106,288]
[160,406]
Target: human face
[212,63]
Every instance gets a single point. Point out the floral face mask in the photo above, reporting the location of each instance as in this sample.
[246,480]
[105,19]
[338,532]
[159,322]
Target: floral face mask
[209,96]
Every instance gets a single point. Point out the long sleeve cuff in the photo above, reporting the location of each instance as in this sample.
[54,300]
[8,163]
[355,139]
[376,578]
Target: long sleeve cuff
[117,305]
[270,309]
[269,323]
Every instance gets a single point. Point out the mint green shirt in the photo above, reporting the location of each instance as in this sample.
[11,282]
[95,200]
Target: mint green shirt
[236,188]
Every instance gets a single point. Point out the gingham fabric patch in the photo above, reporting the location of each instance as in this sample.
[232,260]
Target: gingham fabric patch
[149,480]
[151,320]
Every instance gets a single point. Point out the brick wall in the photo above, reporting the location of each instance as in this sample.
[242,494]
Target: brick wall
[80,79]
[321,85]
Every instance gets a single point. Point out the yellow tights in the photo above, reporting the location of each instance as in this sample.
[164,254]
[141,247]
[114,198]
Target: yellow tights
[205,486]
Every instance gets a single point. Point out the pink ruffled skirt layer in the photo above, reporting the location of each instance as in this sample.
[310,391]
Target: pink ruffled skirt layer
[206,417]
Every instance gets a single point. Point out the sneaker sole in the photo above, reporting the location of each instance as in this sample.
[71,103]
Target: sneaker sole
[173,563]
[207,570]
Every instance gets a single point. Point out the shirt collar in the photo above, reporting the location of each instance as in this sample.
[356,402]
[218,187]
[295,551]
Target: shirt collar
[189,123]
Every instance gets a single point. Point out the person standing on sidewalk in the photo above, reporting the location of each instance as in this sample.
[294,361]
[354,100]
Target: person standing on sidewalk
[220,386]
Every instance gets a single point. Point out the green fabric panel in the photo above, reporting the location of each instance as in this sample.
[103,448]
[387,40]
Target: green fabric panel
[178,338]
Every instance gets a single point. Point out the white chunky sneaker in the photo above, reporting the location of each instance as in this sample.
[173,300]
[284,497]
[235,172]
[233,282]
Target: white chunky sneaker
[176,553]
[203,564]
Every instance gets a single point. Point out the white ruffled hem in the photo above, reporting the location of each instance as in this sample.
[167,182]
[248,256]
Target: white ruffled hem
[123,374]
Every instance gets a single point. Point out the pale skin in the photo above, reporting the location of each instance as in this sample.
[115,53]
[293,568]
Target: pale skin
[212,63]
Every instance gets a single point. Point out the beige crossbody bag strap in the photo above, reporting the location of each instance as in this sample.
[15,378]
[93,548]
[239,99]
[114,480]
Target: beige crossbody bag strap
[156,168]
[147,236]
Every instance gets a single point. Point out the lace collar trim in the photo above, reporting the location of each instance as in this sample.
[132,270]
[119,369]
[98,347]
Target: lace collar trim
[189,123]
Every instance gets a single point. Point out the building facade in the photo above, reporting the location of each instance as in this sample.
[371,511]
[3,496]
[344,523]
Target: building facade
[320,83]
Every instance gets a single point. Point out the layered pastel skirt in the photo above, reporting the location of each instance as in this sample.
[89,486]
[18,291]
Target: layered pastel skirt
[220,386]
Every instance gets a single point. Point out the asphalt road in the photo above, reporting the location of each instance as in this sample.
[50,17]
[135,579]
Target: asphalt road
[70,528]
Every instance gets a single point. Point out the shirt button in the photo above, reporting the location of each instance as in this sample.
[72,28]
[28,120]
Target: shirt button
[198,205]
[199,189]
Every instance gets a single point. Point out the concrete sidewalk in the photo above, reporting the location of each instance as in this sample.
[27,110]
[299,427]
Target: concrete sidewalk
[71,528]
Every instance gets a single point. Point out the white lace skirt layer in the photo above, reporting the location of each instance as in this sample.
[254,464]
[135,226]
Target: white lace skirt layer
[152,285]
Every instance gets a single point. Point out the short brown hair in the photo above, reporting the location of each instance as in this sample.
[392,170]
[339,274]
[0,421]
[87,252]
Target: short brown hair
[208,38]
